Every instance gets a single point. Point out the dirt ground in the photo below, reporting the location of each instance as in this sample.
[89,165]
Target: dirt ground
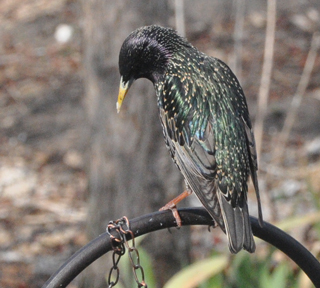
[42,178]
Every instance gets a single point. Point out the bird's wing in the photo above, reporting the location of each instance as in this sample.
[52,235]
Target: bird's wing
[190,138]
[196,161]
[197,130]
[238,103]
[253,164]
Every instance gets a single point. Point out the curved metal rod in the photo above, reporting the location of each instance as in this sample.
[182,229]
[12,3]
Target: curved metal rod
[189,216]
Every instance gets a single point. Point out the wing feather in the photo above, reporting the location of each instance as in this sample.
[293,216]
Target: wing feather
[211,141]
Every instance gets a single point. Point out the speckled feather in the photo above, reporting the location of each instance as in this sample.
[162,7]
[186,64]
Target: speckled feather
[206,124]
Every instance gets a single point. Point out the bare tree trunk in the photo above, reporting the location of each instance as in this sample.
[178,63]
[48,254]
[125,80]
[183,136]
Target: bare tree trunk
[130,171]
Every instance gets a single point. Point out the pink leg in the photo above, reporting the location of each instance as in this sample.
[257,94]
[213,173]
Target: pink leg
[172,205]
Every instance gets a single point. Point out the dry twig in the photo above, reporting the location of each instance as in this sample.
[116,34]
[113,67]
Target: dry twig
[266,73]
[179,11]
[238,38]
[296,100]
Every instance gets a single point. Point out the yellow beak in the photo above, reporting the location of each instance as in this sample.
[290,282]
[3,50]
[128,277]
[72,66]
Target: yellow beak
[123,90]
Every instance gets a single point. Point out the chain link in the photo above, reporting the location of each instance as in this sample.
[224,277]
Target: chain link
[121,228]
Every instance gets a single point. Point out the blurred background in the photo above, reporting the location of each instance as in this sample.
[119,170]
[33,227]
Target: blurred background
[69,163]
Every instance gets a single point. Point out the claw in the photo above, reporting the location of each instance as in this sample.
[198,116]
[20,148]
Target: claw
[175,213]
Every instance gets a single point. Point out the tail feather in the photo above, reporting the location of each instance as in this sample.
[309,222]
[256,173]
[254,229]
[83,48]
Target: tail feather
[237,225]
[248,243]
[235,222]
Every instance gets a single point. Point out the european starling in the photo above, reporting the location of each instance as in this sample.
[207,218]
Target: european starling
[206,124]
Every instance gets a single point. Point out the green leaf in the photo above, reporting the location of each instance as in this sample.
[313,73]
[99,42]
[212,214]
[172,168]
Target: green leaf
[290,223]
[245,270]
[146,263]
[278,278]
[293,222]
[194,274]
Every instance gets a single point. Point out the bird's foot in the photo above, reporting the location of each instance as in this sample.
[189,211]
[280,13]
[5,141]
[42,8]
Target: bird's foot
[175,213]
[172,205]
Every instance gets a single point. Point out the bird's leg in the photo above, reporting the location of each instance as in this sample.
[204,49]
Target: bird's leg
[172,205]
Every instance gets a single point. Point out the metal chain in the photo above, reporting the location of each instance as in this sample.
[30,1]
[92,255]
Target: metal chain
[121,228]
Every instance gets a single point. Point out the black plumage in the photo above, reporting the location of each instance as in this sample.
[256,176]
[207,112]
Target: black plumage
[205,120]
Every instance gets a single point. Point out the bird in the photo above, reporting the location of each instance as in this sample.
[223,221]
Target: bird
[206,125]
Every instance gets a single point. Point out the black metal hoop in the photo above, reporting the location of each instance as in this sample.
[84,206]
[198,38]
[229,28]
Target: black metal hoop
[189,216]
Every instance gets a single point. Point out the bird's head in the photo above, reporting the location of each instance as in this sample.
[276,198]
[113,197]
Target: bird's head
[145,54]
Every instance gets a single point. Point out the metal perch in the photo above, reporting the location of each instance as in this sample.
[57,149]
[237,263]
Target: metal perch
[189,216]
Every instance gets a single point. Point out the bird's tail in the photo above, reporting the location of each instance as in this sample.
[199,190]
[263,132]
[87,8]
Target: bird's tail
[235,222]
[237,225]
